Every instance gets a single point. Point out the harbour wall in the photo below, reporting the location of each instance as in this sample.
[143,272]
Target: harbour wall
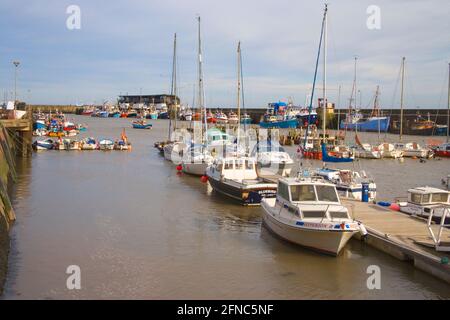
[15,141]
[334,115]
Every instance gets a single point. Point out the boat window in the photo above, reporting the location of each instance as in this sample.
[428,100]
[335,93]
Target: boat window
[425,198]
[415,197]
[239,164]
[439,197]
[339,215]
[283,190]
[228,165]
[303,192]
[327,193]
[313,214]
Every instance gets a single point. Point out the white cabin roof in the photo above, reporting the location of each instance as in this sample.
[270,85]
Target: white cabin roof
[427,190]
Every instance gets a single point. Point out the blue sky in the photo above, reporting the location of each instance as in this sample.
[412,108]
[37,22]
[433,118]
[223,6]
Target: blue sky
[126,46]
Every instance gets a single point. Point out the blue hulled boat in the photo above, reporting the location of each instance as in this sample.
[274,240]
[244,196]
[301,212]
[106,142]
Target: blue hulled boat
[276,116]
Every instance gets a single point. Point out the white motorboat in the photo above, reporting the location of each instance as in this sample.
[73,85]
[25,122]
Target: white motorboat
[272,159]
[367,151]
[413,149]
[46,144]
[424,200]
[174,151]
[307,211]
[89,144]
[106,144]
[218,142]
[233,118]
[388,150]
[349,183]
[221,118]
[236,177]
[196,159]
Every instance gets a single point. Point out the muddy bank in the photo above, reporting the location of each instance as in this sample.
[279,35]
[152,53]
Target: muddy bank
[7,175]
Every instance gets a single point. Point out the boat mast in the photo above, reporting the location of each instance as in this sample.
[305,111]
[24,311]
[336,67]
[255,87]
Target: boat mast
[315,77]
[376,110]
[239,91]
[201,92]
[401,99]
[448,104]
[324,93]
[173,87]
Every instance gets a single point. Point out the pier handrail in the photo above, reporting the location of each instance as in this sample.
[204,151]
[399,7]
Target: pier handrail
[442,225]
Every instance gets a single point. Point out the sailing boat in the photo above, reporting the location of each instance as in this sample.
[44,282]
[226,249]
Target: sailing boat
[197,157]
[173,151]
[411,149]
[235,175]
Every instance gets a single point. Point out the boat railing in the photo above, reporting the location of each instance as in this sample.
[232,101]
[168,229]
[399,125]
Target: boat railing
[439,245]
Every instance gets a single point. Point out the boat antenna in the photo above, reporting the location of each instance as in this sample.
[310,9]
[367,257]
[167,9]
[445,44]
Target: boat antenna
[448,104]
[315,76]
[238,93]
[401,99]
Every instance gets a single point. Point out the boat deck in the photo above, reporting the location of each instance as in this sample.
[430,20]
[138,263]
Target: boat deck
[402,236]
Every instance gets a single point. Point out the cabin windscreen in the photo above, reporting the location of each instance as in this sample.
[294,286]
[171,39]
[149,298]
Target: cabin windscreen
[439,197]
[327,193]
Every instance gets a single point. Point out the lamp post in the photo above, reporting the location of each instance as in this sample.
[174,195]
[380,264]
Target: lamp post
[16,64]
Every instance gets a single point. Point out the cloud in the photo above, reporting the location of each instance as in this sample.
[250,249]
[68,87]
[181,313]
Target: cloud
[124,46]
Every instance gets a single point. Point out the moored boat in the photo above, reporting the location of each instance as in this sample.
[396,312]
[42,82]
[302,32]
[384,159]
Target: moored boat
[236,177]
[46,144]
[272,159]
[388,150]
[141,124]
[307,211]
[89,144]
[106,144]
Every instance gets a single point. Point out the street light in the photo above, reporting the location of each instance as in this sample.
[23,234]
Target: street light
[16,64]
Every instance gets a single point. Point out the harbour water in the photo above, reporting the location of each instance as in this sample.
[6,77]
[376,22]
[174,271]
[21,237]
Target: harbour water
[139,230]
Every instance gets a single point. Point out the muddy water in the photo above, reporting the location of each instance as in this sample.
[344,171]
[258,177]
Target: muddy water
[138,230]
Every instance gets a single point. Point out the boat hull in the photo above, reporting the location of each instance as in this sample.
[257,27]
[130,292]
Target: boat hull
[247,196]
[196,169]
[142,126]
[375,125]
[285,124]
[325,241]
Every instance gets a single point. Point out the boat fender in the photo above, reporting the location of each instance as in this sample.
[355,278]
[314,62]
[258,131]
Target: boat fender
[384,203]
[362,229]
[395,207]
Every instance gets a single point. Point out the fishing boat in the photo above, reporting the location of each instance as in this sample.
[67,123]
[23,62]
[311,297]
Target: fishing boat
[349,183]
[114,114]
[132,113]
[276,117]
[210,118]
[388,150]
[233,118]
[246,119]
[236,177]
[221,118]
[153,114]
[40,124]
[55,133]
[424,200]
[103,114]
[356,122]
[87,112]
[106,144]
[272,159]
[46,144]
[89,144]
[307,211]
[141,124]
[71,133]
[340,154]
[413,150]
[72,144]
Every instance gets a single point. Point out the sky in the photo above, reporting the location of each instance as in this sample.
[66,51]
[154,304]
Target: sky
[125,46]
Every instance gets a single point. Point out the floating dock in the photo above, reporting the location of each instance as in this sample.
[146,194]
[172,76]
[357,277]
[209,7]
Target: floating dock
[402,236]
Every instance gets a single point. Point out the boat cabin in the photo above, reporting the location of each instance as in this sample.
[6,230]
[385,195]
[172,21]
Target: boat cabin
[311,197]
[428,196]
[240,168]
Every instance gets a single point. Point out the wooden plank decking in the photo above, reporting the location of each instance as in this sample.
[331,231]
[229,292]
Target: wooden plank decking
[401,236]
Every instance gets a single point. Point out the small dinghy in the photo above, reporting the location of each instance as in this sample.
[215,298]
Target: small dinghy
[106,144]
[141,124]
[46,144]
[89,144]
[307,211]
[123,143]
